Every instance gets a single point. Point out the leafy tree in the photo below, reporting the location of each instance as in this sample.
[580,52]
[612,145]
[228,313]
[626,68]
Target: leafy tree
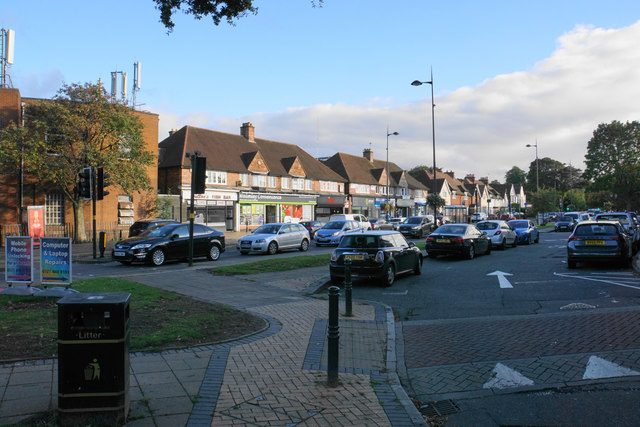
[435,201]
[613,162]
[515,175]
[545,200]
[216,9]
[80,127]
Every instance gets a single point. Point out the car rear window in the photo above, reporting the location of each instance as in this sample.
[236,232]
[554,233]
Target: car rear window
[453,229]
[595,230]
[359,242]
[487,225]
[622,218]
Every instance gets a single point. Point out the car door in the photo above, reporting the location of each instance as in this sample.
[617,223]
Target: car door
[480,241]
[403,253]
[285,236]
[178,244]
[510,234]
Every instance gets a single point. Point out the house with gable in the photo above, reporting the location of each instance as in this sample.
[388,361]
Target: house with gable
[249,181]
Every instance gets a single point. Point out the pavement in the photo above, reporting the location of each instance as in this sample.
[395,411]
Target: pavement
[277,377]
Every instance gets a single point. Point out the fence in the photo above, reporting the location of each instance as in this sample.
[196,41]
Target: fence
[113,230]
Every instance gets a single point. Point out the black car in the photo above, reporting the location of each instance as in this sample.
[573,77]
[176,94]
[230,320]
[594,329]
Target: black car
[417,226]
[142,225]
[459,239]
[565,223]
[378,254]
[312,226]
[169,241]
[599,241]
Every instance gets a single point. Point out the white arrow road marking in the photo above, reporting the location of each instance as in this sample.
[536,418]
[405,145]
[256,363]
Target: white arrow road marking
[505,377]
[597,280]
[504,283]
[601,368]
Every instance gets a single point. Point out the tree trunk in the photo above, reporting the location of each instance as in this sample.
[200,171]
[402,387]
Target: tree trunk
[79,232]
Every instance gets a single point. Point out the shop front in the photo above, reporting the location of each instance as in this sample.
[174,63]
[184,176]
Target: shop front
[405,206]
[214,208]
[363,205]
[330,205]
[420,207]
[263,208]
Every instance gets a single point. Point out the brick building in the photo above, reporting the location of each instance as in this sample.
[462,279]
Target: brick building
[116,212]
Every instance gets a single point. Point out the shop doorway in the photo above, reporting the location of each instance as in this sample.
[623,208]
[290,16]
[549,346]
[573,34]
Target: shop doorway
[271,212]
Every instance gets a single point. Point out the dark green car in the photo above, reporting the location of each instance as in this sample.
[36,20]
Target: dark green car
[380,255]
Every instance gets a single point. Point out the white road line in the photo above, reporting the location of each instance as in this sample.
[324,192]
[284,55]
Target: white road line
[598,280]
[396,293]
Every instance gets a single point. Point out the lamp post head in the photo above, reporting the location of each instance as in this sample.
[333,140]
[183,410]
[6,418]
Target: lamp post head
[419,83]
[393,133]
[532,145]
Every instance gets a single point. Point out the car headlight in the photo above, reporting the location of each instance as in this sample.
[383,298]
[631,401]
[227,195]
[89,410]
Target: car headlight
[334,256]
[415,227]
[379,257]
[141,246]
[336,233]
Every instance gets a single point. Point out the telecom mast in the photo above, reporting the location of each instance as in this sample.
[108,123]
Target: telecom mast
[6,56]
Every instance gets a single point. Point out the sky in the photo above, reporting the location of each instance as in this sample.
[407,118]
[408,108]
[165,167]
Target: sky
[506,73]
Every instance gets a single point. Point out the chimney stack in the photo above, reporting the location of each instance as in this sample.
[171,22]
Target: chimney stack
[368,154]
[248,131]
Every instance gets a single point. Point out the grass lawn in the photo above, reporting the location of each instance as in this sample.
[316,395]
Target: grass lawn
[160,320]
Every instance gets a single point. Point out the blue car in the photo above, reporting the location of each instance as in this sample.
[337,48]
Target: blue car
[526,230]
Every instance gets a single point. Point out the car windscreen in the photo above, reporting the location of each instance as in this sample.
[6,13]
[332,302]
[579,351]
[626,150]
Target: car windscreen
[595,230]
[334,225]
[519,224]
[414,220]
[268,229]
[487,225]
[359,242]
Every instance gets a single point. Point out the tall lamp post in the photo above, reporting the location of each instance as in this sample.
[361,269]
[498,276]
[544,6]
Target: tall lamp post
[388,134]
[433,135]
[537,174]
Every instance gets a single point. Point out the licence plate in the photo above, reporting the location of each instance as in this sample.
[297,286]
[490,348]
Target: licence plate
[594,242]
[355,257]
[443,241]
[118,253]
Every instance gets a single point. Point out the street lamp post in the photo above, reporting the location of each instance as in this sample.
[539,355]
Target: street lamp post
[537,175]
[433,135]
[388,134]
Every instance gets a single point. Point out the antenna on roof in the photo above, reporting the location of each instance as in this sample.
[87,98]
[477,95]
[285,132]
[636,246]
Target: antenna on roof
[6,55]
[123,83]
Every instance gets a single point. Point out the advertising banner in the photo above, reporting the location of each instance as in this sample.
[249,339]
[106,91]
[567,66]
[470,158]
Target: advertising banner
[55,260]
[18,259]
[35,218]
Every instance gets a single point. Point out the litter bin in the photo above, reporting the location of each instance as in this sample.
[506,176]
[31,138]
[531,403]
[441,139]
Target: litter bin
[93,358]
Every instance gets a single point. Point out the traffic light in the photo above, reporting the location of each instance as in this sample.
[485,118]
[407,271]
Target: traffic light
[101,178]
[200,175]
[86,183]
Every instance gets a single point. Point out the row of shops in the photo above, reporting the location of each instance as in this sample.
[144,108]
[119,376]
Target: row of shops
[246,210]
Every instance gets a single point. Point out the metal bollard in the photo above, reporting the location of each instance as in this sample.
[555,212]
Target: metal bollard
[333,337]
[347,289]
[103,243]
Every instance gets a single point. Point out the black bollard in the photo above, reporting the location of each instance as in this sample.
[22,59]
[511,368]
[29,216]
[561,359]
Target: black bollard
[333,337]
[347,289]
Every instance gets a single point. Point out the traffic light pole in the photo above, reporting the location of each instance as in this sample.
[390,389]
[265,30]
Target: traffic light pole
[93,202]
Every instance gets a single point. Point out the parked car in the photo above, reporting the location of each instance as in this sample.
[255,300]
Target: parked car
[460,239]
[565,223]
[142,225]
[628,220]
[361,219]
[273,237]
[417,226]
[381,255]
[332,232]
[170,241]
[526,231]
[397,221]
[500,233]
[507,216]
[380,224]
[599,241]
[312,227]
[478,216]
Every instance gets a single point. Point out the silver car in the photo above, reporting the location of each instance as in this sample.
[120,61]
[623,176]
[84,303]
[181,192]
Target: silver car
[501,233]
[274,237]
[331,233]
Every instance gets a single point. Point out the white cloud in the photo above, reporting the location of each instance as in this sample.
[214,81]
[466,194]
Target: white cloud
[590,78]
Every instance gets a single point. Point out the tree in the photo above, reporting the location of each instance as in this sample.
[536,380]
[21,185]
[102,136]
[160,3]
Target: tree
[515,175]
[80,127]
[435,201]
[216,9]
[544,200]
[613,162]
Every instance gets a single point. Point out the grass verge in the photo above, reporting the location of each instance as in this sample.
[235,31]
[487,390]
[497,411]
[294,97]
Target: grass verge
[273,265]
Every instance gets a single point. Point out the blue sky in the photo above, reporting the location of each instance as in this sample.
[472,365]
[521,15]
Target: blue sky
[506,73]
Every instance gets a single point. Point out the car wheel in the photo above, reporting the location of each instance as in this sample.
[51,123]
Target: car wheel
[417,269]
[389,275]
[304,246]
[488,252]
[272,249]
[537,239]
[214,253]
[157,257]
[503,246]
[471,252]
[530,240]
[571,264]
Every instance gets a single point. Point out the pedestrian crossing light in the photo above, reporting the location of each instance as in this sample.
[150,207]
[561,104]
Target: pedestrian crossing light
[86,183]
[102,182]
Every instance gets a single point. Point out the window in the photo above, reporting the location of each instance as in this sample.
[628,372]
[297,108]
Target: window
[258,180]
[329,186]
[297,184]
[214,177]
[285,182]
[244,179]
[271,182]
[308,184]
[54,209]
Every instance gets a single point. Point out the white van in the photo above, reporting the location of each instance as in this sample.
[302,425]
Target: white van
[362,220]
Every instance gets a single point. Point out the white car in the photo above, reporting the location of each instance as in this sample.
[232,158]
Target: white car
[331,233]
[479,216]
[501,233]
[274,237]
[359,218]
